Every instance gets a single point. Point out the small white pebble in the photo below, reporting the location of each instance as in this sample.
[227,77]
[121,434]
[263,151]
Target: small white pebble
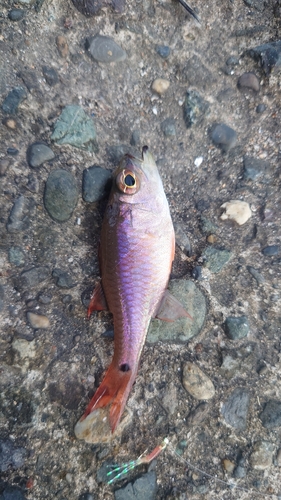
[236,210]
[154,110]
[78,221]
[198,161]
[70,259]
[180,102]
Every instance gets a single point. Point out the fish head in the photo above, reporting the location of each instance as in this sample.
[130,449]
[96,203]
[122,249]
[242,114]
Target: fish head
[137,180]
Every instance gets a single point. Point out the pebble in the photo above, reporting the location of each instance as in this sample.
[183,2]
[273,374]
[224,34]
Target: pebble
[38,320]
[197,416]
[236,327]
[207,226]
[63,279]
[197,273]
[232,61]
[104,49]
[182,329]
[16,14]
[76,128]
[86,496]
[160,85]
[268,54]
[16,256]
[253,168]
[271,250]
[262,456]
[44,298]
[248,81]
[34,276]
[224,137]
[12,151]
[194,108]
[96,183]
[143,488]
[10,455]
[236,210]
[18,219]
[256,274]
[95,428]
[13,100]
[168,127]
[182,239]
[38,153]
[30,80]
[10,123]
[25,348]
[196,382]
[4,165]
[240,470]
[228,465]
[50,75]
[61,195]
[215,259]
[235,409]
[62,46]
[271,414]
[163,51]
[261,108]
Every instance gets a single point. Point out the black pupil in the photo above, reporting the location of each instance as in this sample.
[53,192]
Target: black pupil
[125,367]
[129,180]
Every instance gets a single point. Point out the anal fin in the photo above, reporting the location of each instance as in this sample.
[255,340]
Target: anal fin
[98,300]
[171,309]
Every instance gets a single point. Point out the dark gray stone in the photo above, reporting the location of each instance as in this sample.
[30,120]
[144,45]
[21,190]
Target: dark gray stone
[144,488]
[197,273]
[104,49]
[224,137]
[232,61]
[271,414]
[13,100]
[30,80]
[256,4]
[12,493]
[96,183]
[63,279]
[16,14]
[215,259]
[10,455]
[271,250]
[61,195]
[194,108]
[12,151]
[269,55]
[50,75]
[253,168]
[168,127]
[261,108]
[16,256]
[240,471]
[34,276]
[236,327]
[37,153]
[235,409]
[86,496]
[256,274]
[195,74]
[76,128]
[163,51]
[248,81]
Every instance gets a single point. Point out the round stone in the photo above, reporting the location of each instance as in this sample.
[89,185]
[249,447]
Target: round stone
[236,327]
[197,383]
[160,85]
[104,49]
[38,153]
[224,137]
[61,195]
[249,81]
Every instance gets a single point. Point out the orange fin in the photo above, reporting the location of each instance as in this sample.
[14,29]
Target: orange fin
[98,301]
[171,309]
[114,390]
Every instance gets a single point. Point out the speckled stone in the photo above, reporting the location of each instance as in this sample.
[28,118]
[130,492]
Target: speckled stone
[182,329]
[38,153]
[144,488]
[168,127]
[16,256]
[11,455]
[236,327]
[269,55]
[95,428]
[271,414]
[38,321]
[253,168]
[63,279]
[61,195]
[104,49]
[215,259]
[50,75]
[96,183]
[194,108]
[76,128]
[271,250]
[262,456]
[13,100]
[196,382]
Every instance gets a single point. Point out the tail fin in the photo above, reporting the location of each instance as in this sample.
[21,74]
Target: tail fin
[114,389]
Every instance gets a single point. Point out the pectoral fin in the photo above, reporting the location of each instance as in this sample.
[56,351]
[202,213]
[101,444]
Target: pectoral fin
[98,301]
[171,309]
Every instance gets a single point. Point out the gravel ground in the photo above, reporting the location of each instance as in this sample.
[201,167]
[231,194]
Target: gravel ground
[56,73]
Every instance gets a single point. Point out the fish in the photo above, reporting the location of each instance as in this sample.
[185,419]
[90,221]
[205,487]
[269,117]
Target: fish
[137,248]
[91,7]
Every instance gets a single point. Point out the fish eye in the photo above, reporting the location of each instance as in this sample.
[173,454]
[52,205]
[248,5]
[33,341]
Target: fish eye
[129,181]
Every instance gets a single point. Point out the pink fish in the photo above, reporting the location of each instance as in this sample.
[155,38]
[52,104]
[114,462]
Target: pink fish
[136,254]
